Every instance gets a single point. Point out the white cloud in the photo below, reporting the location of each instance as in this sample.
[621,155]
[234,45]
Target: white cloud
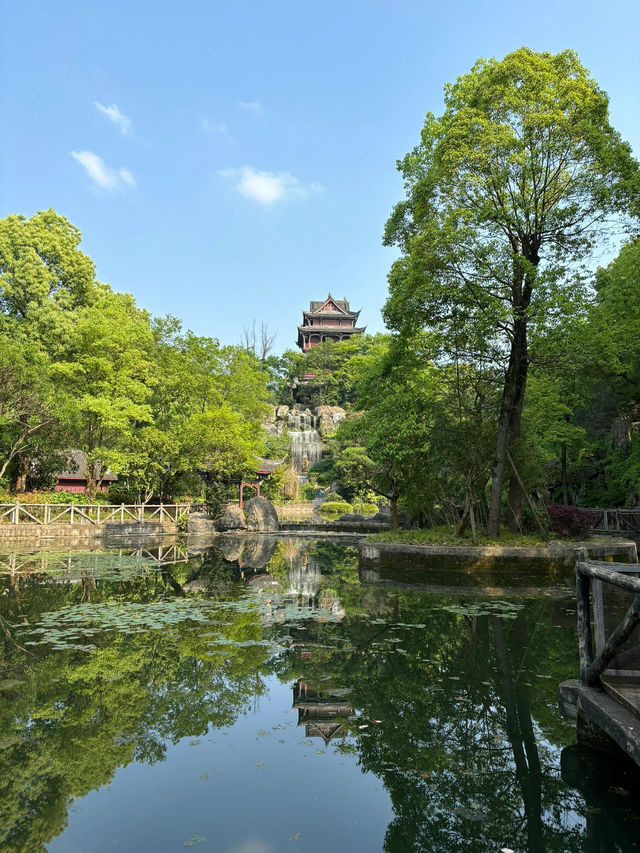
[213,127]
[268,187]
[121,121]
[253,107]
[104,177]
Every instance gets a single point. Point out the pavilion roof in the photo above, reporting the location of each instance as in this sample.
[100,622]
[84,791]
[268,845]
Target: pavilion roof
[268,466]
[76,468]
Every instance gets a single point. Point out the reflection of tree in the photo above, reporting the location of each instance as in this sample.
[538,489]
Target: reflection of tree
[456,742]
[79,716]
[459,744]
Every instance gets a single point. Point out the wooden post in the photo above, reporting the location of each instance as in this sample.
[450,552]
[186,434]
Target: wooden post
[15,514]
[121,512]
[585,641]
[98,515]
[140,513]
[240,501]
[47,514]
[71,511]
[605,520]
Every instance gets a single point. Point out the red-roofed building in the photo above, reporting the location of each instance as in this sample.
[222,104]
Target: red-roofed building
[331,320]
[74,477]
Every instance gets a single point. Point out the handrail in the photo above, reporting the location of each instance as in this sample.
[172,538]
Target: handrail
[592,668]
[98,513]
[615,519]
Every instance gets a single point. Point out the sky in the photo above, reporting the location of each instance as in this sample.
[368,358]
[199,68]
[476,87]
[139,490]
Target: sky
[231,161]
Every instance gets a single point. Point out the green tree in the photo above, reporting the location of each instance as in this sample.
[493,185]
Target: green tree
[108,372]
[40,261]
[506,194]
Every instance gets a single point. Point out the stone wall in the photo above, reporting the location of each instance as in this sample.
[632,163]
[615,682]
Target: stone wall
[73,533]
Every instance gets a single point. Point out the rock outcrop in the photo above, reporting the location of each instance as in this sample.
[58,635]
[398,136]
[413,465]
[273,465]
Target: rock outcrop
[201,524]
[261,515]
[231,519]
[328,418]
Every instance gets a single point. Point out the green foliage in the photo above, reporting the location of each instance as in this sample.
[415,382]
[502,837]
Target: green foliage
[364,508]
[58,498]
[506,195]
[81,366]
[333,509]
[216,496]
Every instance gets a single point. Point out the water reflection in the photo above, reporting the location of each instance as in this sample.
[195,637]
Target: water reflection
[448,698]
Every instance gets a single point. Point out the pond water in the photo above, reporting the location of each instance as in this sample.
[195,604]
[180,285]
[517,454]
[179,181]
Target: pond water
[264,695]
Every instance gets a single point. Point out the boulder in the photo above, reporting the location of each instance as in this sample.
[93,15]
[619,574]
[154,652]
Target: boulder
[282,413]
[328,418]
[383,514]
[231,519]
[261,515]
[201,523]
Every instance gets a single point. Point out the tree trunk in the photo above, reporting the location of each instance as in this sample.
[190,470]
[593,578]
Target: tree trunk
[509,428]
[563,473]
[93,471]
[393,500]
[22,468]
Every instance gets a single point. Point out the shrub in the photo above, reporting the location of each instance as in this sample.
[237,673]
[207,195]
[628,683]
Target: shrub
[570,521]
[52,498]
[333,496]
[365,508]
[335,508]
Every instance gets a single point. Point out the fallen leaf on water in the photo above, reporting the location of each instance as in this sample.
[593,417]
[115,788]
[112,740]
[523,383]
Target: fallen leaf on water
[196,839]
[621,791]
[296,836]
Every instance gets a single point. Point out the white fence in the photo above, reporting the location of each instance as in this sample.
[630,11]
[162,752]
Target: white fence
[19,513]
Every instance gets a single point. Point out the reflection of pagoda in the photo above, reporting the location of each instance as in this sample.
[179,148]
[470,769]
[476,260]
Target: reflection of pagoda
[322,715]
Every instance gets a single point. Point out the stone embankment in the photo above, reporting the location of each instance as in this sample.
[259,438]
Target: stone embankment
[557,554]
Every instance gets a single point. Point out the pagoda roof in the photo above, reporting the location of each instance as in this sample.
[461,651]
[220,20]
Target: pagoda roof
[317,305]
[352,315]
[338,308]
[344,330]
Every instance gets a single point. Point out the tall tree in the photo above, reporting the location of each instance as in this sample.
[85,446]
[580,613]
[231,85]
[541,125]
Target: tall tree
[507,193]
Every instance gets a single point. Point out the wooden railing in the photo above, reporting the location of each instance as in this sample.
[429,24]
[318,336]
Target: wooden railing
[592,666]
[616,520]
[19,513]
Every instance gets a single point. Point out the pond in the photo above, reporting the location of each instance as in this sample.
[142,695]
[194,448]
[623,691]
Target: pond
[263,695]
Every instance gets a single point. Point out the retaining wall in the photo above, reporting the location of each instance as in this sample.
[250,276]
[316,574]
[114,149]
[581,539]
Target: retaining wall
[83,532]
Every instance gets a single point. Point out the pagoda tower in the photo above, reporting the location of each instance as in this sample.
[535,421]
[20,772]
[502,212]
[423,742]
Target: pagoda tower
[328,320]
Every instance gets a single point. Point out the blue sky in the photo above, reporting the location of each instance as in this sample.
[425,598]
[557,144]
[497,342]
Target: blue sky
[232,160]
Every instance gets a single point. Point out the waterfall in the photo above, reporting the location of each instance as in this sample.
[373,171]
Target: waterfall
[306,448]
